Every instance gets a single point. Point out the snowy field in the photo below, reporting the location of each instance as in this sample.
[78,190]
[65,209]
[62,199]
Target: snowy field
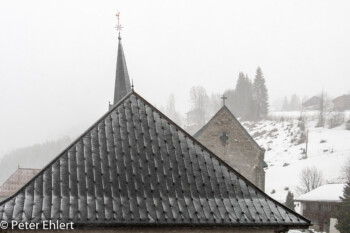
[328,149]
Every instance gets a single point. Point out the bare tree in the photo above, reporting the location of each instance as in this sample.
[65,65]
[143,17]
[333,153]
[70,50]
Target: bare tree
[324,109]
[215,104]
[199,104]
[335,119]
[198,114]
[310,178]
[171,111]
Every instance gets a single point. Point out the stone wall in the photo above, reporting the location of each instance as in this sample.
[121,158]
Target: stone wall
[227,138]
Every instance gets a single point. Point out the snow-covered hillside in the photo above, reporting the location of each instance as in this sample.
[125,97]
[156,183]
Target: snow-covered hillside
[284,142]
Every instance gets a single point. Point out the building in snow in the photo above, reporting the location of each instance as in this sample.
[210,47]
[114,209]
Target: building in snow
[135,170]
[341,103]
[227,138]
[313,103]
[319,204]
[16,181]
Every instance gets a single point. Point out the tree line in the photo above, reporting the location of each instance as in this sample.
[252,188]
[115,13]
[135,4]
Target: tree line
[248,100]
[35,156]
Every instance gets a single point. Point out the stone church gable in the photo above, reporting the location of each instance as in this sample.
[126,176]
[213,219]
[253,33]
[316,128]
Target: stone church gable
[226,137]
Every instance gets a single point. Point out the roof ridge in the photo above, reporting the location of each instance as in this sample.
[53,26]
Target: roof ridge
[23,168]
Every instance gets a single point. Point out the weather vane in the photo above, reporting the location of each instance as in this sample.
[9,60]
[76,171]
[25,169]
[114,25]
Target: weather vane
[119,27]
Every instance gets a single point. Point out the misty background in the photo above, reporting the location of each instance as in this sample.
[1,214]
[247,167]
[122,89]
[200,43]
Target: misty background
[58,59]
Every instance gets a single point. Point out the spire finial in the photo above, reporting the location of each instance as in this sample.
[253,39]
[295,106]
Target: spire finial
[119,27]
[223,97]
[132,84]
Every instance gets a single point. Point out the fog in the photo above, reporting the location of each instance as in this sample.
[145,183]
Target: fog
[58,58]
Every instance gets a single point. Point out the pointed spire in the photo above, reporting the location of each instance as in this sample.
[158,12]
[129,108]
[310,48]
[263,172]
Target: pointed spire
[122,81]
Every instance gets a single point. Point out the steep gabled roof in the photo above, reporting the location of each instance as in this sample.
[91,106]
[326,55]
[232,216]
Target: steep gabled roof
[17,180]
[133,167]
[224,108]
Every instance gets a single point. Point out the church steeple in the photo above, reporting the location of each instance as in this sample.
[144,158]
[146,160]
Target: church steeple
[122,81]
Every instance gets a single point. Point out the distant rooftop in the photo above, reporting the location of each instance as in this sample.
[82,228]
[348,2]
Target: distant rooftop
[313,101]
[19,178]
[325,193]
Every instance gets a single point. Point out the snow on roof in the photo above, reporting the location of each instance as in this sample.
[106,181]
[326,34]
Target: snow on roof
[328,192]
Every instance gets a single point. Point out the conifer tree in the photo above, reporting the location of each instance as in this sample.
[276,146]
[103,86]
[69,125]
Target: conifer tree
[230,103]
[249,110]
[260,95]
[343,211]
[243,98]
[290,201]
[295,103]
[239,99]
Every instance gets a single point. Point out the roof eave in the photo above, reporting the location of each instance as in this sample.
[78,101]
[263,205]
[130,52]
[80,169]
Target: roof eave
[193,225]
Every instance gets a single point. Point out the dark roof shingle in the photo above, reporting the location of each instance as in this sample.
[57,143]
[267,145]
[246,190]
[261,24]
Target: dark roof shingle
[134,166]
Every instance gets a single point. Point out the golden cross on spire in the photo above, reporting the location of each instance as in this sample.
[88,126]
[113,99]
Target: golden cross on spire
[119,27]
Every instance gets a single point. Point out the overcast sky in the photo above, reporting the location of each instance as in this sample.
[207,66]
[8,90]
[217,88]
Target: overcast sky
[58,58]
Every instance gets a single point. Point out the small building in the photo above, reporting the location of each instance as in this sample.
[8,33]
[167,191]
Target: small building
[341,103]
[319,205]
[226,137]
[313,103]
[16,181]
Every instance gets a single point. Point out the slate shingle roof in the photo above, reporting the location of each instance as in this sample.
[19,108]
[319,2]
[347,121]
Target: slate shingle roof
[136,167]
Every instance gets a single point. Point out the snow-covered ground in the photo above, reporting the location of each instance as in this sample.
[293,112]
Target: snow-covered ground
[328,149]
[310,115]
